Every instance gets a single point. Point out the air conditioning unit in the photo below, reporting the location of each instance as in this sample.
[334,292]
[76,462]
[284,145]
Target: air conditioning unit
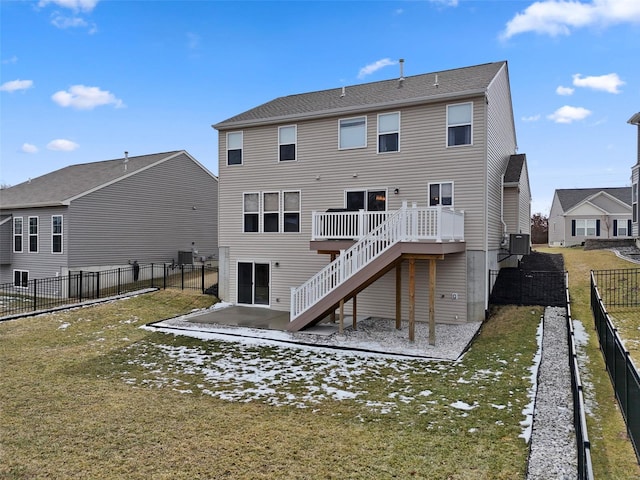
[519,244]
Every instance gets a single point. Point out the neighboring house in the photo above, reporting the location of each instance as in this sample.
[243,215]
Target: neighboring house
[635,178]
[313,187]
[578,214]
[107,214]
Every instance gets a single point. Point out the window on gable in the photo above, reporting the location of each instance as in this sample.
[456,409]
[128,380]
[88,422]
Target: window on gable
[20,278]
[17,234]
[291,211]
[251,211]
[441,194]
[459,124]
[353,133]
[271,215]
[234,148]
[33,234]
[389,132]
[56,234]
[287,143]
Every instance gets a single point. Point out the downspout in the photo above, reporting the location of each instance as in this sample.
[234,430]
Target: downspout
[503,242]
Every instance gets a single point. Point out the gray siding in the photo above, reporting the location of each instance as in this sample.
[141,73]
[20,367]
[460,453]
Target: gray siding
[511,209]
[557,223]
[146,217]
[42,263]
[524,203]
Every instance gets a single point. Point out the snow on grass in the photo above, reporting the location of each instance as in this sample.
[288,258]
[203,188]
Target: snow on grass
[527,423]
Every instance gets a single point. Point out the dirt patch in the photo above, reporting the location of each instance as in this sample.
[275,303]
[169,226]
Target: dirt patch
[542,262]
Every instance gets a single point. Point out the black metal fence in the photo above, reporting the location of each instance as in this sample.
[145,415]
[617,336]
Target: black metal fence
[585,467]
[618,288]
[622,371]
[514,286]
[48,293]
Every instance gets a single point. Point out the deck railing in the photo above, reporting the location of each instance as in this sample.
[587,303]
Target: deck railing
[425,223]
[404,225]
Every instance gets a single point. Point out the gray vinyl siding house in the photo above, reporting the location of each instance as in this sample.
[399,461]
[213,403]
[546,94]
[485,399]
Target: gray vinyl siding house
[441,141]
[103,215]
[635,179]
[579,214]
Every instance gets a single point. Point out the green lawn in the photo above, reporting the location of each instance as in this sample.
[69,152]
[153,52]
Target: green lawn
[86,393]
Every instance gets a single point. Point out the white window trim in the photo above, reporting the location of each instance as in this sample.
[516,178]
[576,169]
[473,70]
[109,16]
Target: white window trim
[453,191]
[295,143]
[284,210]
[264,211]
[387,133]
[634,203]
[14,279]
[241,149]
[258,212]
[61,235]
[21,235]
[446,139]
[340,120]
[37,234]
[586,227]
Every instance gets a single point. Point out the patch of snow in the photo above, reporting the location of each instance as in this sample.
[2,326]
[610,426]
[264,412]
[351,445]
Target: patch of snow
[464,406]
[527,411]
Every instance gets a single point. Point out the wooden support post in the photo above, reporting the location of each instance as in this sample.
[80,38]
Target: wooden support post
[412,299]
[341,324]
[333,312]
[399,296]
[355,313]
[432,302]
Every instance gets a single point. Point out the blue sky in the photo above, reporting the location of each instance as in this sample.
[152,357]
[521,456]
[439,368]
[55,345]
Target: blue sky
[85,80]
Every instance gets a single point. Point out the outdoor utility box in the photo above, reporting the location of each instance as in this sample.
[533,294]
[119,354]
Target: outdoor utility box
[519,244]
[185,257]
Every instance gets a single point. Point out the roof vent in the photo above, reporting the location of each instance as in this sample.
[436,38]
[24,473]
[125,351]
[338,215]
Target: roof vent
[126,159]
[401,79]
[435,84]
[343,92]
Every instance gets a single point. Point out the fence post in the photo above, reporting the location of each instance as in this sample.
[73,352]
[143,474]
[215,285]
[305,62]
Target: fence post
[182,276]
[35,295]
[98,285]
[80,287]
[203,278]
[152,275]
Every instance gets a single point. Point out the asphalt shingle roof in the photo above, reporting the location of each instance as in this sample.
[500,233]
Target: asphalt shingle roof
[514,168]
[460,81]
[570,197]
[59,186]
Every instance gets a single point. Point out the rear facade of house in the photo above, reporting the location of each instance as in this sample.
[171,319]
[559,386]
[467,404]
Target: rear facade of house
[105,215]
[345,160]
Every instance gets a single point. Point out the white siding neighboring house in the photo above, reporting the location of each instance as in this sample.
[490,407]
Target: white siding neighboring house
[107,214]
[589,213]
[312,188]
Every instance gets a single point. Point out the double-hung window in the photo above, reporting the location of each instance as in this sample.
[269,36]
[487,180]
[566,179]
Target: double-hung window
[291,211]
[459,125]
[389,132]
[251,211]
[441,194]
[56,234]
[17,234]
[634,202]
[234,148]
[586,227]
[271,211]
[20,278]
[33,234]
[287,138]
[353,133]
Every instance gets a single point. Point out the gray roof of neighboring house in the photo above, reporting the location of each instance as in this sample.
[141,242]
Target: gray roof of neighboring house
[635,120]
[514,168]
[61,186]
[570,197]
[460,82]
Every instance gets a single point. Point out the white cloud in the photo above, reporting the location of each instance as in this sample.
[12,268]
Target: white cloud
[607,83]
[553,17]
[568,114]
[532,118]
[193,40]
[76,5]
[82,97]
[62,145]
[564,90]
[13,59]
[446,3]
[15,85]
[375,66]
[28,148]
